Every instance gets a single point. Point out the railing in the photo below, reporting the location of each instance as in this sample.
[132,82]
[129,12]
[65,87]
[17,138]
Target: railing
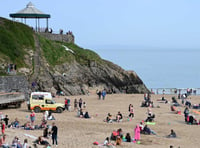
[174,91]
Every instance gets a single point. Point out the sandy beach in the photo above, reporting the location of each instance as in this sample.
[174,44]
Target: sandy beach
[74,132]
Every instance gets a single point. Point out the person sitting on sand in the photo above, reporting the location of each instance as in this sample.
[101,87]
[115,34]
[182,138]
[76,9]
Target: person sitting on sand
[41,141]
[46,132]
[128,137]
[14,142]
[50,116]
[14,124]
[172,134]
[113,135]
[192,119]
[43,124]
[86,115]
[174,109]
[141,126]
[28,126]
[25,144]
[109,118]
[175,102]
[81,113]
[106,142]
[148,131]
[116,133]
[150,117]
[3,142]
[120,132]
[163,100]
[119,140]
[119,117]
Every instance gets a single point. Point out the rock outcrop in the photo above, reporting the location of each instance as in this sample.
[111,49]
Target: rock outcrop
[75,79]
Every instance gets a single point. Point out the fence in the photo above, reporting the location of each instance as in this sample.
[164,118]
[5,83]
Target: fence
[174,91]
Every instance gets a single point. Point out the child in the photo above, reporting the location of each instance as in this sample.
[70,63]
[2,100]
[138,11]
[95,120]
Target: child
[128,137]
[119,140]
[3,126]
[32,117]
[84,105]
[6,120]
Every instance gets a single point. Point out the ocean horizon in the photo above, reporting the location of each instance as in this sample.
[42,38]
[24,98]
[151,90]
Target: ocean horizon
[159,68]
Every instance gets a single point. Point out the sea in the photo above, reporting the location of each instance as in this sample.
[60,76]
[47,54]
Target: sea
[159,68]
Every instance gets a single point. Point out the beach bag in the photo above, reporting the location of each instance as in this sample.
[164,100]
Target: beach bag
[96,143]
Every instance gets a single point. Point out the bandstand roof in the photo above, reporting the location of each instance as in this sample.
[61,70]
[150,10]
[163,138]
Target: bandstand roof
[30,12]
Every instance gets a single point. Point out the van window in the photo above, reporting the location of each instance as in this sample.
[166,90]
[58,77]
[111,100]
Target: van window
[38,97]
[49,102]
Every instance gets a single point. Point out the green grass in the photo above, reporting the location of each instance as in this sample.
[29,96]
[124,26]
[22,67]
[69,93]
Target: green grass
[54,53]
[83,55]
[14,37]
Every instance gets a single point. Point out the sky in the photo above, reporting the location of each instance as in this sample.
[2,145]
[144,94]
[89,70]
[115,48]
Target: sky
[112,23]
[126,25]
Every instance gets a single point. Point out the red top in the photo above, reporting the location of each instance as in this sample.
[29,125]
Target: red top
[32,114]
[3,126]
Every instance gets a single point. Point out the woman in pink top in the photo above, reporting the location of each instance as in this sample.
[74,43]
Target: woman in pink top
[131,110]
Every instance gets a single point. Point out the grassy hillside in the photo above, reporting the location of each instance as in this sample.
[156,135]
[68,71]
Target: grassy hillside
[14,38]
[56,54]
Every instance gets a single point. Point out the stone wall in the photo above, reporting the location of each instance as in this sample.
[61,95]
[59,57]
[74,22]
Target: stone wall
[14,83]
[58,37]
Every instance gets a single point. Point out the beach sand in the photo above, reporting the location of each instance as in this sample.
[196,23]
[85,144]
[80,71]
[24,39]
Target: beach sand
[74,132]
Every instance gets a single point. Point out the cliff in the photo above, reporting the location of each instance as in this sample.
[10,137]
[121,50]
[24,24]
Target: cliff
[56,63]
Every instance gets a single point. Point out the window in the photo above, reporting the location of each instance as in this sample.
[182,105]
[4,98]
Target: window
[38,97]
[49,102]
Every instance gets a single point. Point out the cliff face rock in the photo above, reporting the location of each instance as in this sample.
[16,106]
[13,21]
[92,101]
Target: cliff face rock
[75,79]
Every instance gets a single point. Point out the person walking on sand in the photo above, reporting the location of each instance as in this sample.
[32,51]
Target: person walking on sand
[54,132]
[103,94]
[3,127]
[131,110]
[6,120]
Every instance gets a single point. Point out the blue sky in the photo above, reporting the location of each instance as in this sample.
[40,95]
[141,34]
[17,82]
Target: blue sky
[116,23]
[121,31]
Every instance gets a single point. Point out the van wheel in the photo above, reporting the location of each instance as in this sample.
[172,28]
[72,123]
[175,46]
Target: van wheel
[37,109]
[59,110]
